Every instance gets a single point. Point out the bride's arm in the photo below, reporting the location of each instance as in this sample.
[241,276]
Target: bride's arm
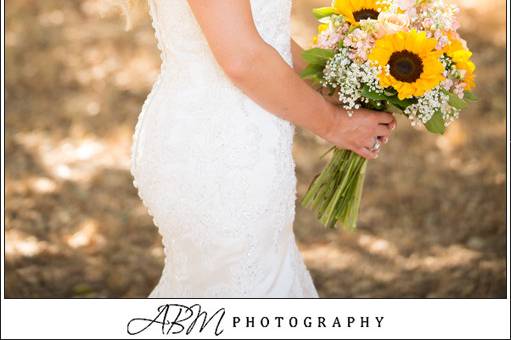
[259,70]
[298,63]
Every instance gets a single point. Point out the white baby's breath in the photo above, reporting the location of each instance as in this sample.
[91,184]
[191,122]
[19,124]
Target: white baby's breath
[435,100]
[349,77]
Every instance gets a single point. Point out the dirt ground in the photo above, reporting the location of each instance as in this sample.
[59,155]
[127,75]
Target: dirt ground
[432,221]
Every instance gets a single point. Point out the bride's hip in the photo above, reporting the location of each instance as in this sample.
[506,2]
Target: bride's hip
[217,186]
[210,157]
[234,135]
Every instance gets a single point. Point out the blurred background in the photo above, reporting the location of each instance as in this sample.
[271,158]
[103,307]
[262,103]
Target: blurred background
[433,215]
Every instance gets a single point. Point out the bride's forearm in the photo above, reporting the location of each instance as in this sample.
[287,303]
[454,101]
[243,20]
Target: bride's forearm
[298,63]
[265,77]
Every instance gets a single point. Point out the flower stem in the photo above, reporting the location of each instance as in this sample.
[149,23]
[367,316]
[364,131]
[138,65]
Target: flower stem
[335,194]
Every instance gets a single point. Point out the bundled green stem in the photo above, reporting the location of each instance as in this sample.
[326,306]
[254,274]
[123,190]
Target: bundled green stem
[335,193]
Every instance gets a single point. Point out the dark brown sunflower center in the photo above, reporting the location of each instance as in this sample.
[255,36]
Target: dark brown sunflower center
[365,13]
[405,66]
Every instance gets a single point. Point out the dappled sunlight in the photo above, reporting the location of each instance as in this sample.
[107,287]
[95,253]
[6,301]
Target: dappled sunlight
[367,270]
[18,243]
[451,257]
[335,256]
[377,246]
[74,159]
[455,137]
[86,235]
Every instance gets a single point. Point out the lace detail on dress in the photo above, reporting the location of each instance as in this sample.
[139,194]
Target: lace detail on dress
[154,89]
[215,170]
[145,107]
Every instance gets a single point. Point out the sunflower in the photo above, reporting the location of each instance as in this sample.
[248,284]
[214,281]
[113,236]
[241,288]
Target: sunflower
[460,55]
[410,64]
[356,10]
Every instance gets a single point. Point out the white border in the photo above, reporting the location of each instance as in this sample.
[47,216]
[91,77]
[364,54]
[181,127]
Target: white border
[403,319]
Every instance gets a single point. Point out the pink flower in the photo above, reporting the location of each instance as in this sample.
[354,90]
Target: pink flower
[405,4]
[447,84]
[361,43]
[427,23]
[459,90]
[455,25]
[329,36]
[390,23]
[408,6]
[442,39]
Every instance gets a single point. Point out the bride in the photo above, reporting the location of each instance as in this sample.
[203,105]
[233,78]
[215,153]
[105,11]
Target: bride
[211,153]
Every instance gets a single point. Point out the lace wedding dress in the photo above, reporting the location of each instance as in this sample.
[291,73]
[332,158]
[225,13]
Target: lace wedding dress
[215,170]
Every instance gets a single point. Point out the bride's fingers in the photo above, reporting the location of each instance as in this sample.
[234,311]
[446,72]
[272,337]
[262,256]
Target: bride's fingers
[383,131]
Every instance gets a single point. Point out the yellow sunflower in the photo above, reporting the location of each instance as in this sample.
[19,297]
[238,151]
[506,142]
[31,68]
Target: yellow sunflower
[460,56]
[409,61]
[356,10]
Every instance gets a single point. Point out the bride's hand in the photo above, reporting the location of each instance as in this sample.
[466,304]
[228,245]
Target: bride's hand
[331,98]
[359,132]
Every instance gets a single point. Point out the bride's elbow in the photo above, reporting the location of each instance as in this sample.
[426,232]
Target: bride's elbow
[242,66]
[238,69]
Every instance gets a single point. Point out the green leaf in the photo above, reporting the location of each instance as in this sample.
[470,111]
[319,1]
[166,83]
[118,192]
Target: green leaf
[401,103]
[436,124]
[366,92]
[390,92]
[470,96]
[377,105]
[393,108]
[389,95]
[325,20]
[318,56]
[312,71]
[456,101]
[322,12]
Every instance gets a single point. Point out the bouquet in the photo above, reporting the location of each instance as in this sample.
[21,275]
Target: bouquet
[401,56]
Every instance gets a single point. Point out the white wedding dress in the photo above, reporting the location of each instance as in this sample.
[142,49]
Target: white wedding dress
[215,170]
